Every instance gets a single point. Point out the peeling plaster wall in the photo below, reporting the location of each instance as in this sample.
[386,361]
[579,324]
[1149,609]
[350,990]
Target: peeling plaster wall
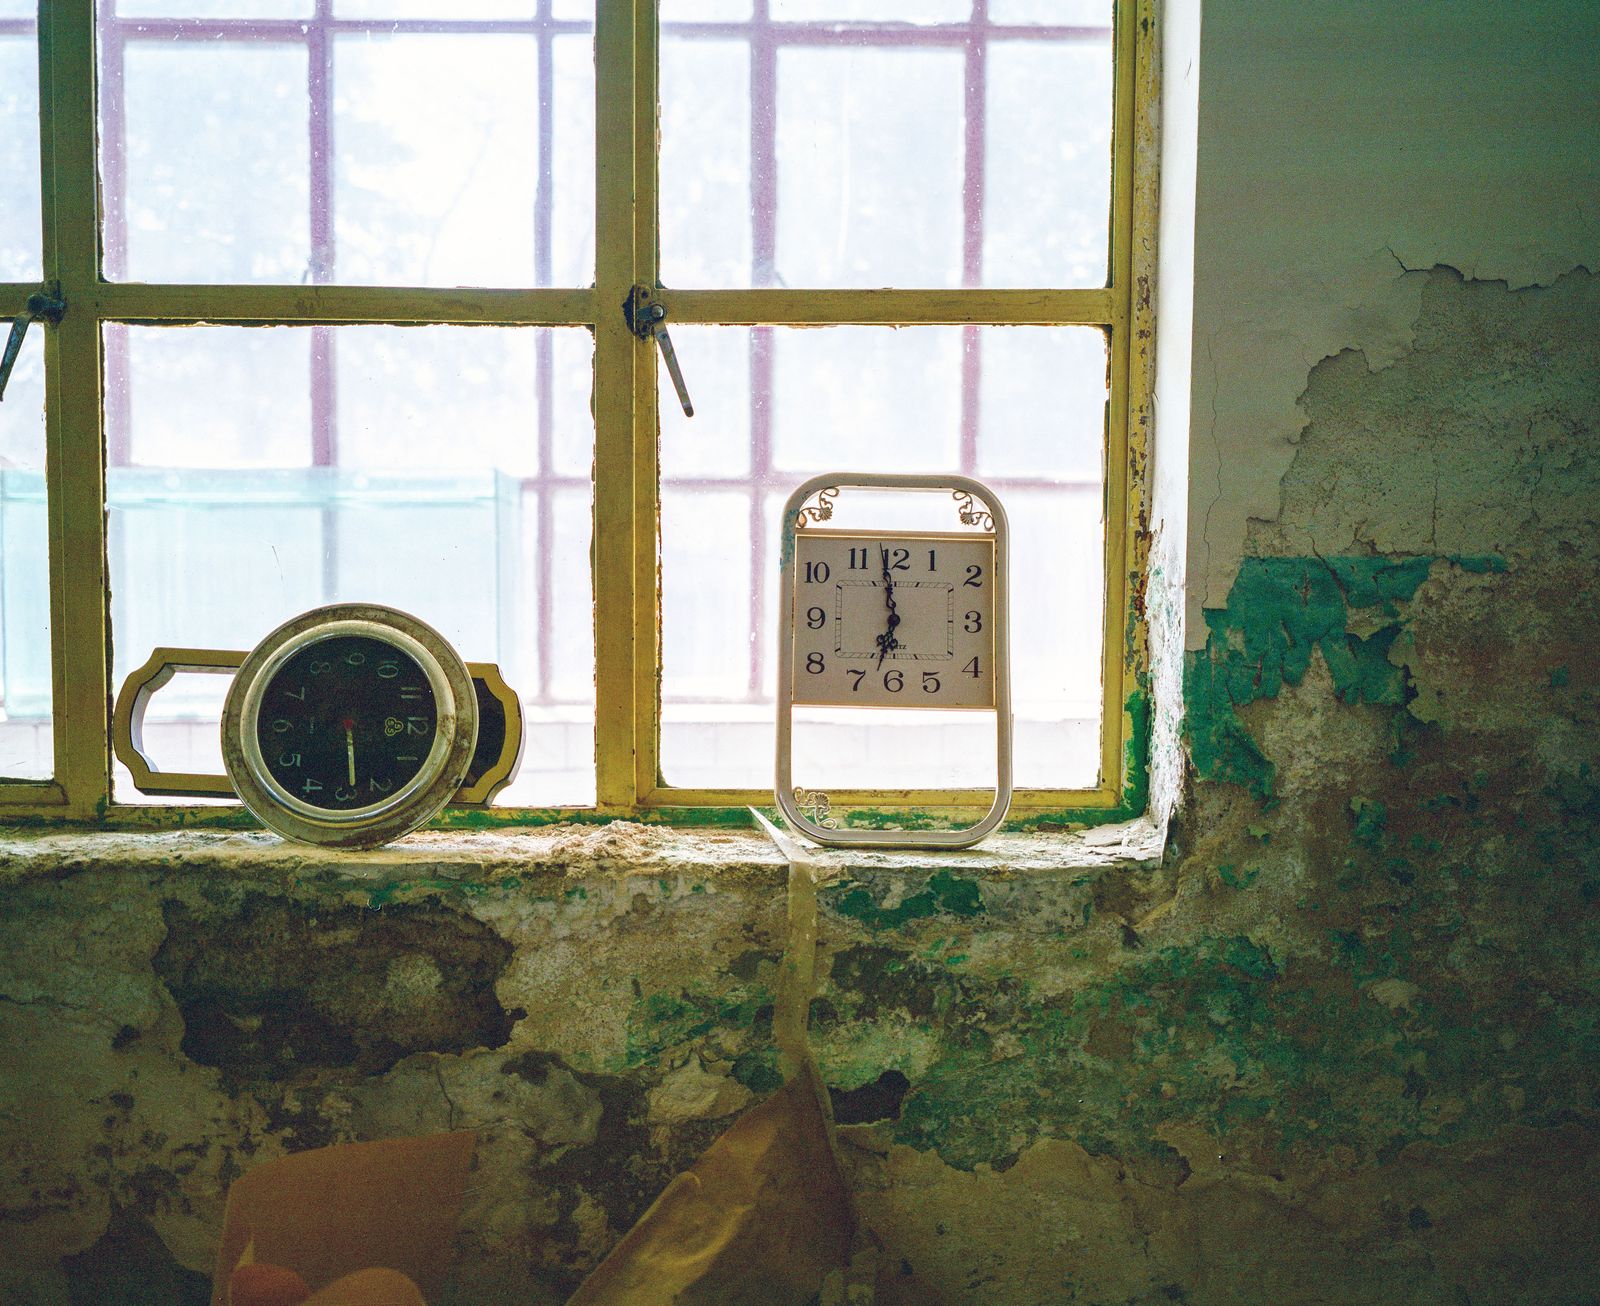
[1342,143]
[1335,1043]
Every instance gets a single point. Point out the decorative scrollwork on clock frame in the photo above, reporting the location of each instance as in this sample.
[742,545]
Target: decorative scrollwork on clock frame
[822,510]
[815,806]
[969,515]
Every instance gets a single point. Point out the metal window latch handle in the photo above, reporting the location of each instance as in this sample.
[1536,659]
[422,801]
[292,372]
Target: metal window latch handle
[40,307]
[647,319]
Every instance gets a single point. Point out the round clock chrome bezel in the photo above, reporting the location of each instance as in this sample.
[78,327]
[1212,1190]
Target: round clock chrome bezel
[421,798]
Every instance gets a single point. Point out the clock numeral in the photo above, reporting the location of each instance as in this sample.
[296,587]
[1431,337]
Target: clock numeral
[932,565]
[815,664]
[893,681]
[378,786]
[301,694]
[418,725]
[344,795]
[858,559]
[289,759]
[974,576]
[930,683]
[310,786]
[816,618]
[974,622]
[355,659]
[282,726]
[860,675]
[897,559]
[319,668]
[817,573]
[388,669]
[971,669]
[411,692]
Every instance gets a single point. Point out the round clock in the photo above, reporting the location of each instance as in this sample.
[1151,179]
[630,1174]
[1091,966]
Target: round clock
[349,726]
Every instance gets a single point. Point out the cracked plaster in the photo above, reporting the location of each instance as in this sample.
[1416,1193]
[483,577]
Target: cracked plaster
[1334,163]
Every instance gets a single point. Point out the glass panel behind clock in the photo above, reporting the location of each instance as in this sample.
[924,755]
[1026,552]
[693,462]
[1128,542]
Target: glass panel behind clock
[1021,408]
[259,472]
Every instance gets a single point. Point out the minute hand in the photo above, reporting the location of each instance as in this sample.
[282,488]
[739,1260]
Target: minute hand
[887,641]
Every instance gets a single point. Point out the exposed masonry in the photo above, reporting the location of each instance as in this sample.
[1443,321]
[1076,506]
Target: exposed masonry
[1342,1033]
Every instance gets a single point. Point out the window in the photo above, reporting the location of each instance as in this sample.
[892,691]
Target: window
[344,285]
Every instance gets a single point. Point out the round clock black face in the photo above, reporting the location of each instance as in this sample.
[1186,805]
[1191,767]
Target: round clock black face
[346,722]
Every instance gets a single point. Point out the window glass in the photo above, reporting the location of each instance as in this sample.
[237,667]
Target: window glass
[705,161]
[869,167]
[884,11]
[27,747]
[1068,13]
[1047,191]
[1022,408]
[402,465]
[206,167]
[215,8]
[398,144]
[435,189]
[701,11]
[919,146]
[20,248]
[425,9]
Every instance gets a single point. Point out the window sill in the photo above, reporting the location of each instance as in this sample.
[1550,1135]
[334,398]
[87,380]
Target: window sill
[508,857]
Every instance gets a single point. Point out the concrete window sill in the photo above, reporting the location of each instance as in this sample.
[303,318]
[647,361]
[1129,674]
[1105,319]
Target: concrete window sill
[567,851]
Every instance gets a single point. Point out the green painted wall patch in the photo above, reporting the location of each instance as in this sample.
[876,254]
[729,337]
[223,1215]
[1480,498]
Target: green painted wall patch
[943,895]
[1279,612]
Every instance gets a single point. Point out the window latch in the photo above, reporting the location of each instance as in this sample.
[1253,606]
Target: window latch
[40,307]
[647,319]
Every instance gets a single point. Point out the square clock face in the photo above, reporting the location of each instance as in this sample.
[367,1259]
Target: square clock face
[893,620]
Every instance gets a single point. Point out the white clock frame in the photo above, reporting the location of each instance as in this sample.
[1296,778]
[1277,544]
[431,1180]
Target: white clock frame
[797,515]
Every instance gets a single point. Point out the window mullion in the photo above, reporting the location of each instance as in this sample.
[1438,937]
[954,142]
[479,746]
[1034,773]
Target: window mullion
[646,429]
[74,439]
[264,305]
[1121,659]
[615,365]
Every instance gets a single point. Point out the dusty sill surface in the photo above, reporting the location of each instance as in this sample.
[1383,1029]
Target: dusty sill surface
[619,849]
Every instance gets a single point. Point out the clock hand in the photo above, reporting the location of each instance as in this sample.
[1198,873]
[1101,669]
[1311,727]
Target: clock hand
[887,641]
[350,746]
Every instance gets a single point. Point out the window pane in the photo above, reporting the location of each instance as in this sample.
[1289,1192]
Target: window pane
[454,9]
[1021,408]
[20,249]
[866,398]
[916,146]
[869,167]
[314,152]
[1048,196]
[27,747]
[215,8]
[1069,13]
[887,11]
[700,11]
[570,114]
[212,147]
[196,398]
[396,465]
[435,189]
[705,155]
